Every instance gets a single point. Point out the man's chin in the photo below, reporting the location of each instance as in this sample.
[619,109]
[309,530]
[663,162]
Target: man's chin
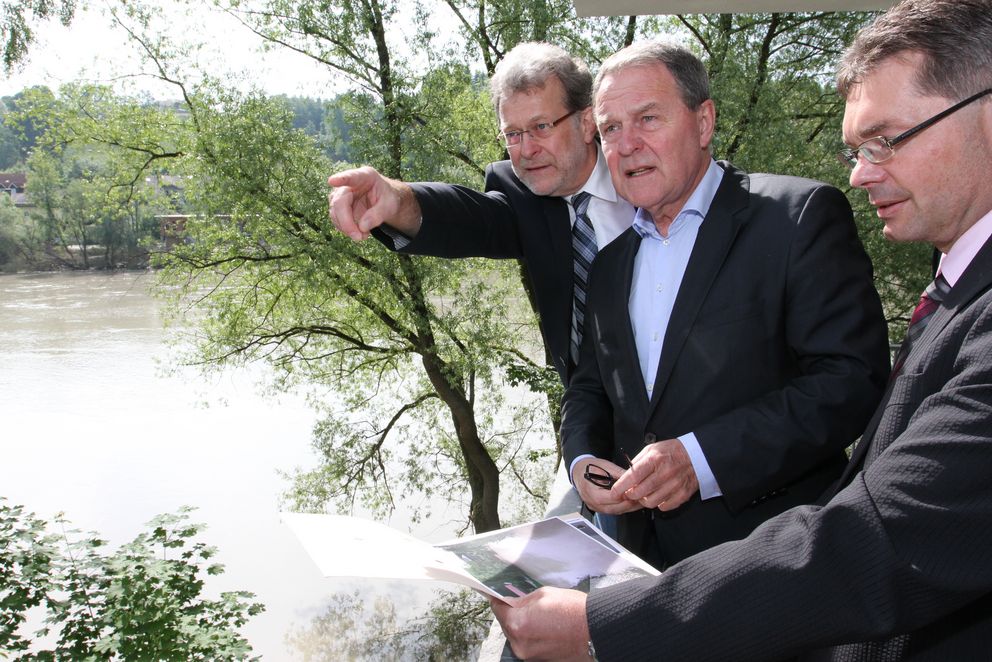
[540,188]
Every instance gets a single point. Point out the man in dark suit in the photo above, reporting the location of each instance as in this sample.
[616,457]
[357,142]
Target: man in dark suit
[543,100]
[735,344]
[895,563]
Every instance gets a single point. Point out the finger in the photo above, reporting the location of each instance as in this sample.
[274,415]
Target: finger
[370,219]
[656,499]
[341,203]
[610,506]
[353,177]
[685,491]
[639,481]
[502,603]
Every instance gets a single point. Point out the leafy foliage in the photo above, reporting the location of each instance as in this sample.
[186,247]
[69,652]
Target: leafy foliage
[140,602]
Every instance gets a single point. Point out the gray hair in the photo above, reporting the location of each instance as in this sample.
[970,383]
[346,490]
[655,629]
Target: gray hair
[529,65]
[953,36]
[687,69]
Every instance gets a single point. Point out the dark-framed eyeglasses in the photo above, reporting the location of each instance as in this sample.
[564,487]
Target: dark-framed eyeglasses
[880,149]
[540,130]
[598,476]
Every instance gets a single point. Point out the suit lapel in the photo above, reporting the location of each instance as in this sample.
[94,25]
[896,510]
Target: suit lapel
[975,280]
[630,367]
[716,235]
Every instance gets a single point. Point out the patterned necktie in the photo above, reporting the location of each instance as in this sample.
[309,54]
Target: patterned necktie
[583,251]
[929,302]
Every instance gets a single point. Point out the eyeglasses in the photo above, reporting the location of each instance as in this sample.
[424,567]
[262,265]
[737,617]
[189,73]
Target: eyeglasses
[880,149]
[598,476]
[540,130]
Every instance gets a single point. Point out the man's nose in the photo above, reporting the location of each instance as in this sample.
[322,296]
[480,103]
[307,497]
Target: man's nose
[628,141]
[865,172]
[529,145]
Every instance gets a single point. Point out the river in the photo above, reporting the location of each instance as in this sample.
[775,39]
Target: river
[92,427]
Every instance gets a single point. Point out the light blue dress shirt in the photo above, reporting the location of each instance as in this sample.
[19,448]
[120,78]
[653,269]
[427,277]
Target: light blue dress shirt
[657,276]
[658,270]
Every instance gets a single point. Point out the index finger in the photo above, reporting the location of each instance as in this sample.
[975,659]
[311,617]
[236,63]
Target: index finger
[350,177]
[632,477]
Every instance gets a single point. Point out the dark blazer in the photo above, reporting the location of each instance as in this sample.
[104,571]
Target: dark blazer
[508,221]
[899,557]
[775,356]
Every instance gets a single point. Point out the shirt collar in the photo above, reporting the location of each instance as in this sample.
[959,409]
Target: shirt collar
[956,260]
[600,184]
[698,203]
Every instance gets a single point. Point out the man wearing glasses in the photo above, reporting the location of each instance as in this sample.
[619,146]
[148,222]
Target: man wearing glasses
[895,562]
[543,100]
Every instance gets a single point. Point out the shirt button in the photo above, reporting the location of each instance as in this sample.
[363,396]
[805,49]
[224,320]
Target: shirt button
[658,287]
[666,241]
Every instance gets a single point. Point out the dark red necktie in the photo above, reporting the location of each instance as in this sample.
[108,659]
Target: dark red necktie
[929,302]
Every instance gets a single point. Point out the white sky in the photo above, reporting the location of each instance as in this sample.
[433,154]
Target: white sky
[90,49]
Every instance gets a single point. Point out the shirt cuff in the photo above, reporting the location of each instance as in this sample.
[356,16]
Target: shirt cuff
[572,466]
[400,240]
[708,488]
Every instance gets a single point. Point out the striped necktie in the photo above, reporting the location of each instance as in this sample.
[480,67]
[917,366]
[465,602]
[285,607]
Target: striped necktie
[929,302]
[583,251]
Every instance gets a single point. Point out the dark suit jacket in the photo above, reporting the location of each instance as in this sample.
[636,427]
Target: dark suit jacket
[899,557]
[508,221]
[775,356]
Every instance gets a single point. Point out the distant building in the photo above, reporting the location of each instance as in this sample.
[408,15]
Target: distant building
[172,229]
[15,185]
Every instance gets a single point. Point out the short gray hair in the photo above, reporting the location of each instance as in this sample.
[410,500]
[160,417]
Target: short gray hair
[687,69]
[530,64]
[953,36]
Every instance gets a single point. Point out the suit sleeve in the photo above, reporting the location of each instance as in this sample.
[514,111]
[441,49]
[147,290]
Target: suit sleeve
[461,222]
[903,547]
[835,330]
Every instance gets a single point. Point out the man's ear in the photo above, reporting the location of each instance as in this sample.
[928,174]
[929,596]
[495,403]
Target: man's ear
[588,125]
[706,119]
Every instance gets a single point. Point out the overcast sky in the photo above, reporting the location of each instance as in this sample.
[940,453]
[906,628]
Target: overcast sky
[93,51]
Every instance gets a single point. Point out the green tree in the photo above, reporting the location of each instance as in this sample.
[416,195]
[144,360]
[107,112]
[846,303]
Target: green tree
[21,130]
[14,234]
[89,192]
[18,20]
[141,602]
[10,153]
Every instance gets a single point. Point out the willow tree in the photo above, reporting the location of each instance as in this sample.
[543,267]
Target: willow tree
[401,340]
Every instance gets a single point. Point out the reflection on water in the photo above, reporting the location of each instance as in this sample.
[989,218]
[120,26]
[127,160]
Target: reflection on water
[93,428]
